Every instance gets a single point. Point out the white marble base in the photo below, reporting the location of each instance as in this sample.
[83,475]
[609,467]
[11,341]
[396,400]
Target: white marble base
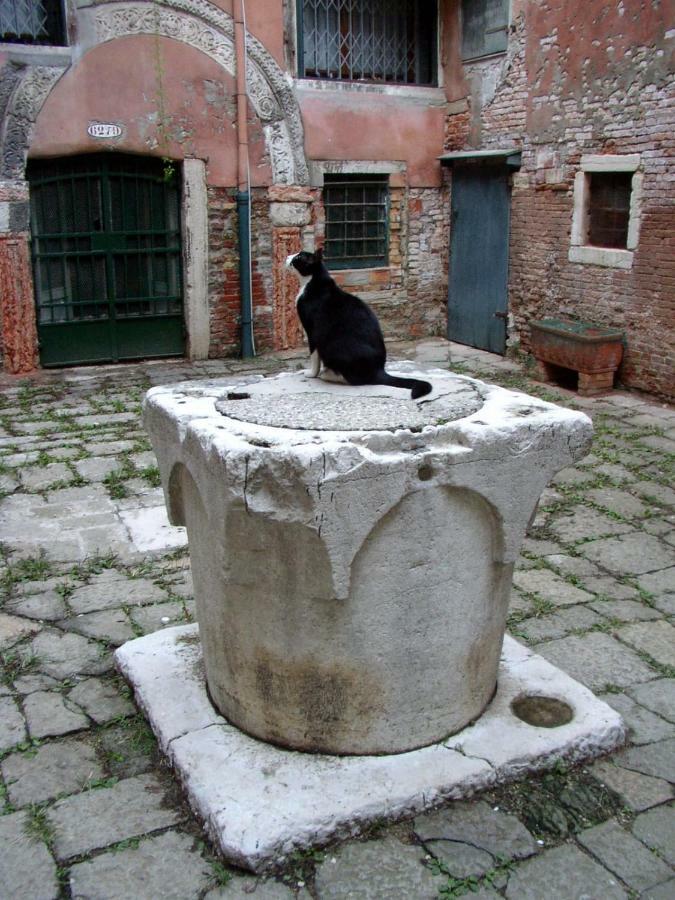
[259,802]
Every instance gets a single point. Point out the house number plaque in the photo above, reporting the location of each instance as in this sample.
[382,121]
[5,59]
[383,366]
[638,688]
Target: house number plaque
[104,130]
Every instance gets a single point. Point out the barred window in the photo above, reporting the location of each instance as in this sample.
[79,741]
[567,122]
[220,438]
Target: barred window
[609,208]
[368,40]
[32,22]
[357,221]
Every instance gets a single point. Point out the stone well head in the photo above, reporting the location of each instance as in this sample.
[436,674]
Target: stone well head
[352,550]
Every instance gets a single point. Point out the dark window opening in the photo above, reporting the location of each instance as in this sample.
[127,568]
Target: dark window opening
[32,22]
[368,40]
[609,209]
[485,26]
[357,221]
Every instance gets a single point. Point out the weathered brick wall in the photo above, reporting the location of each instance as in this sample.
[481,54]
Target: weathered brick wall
[223,279]
[408,295]
[574,84]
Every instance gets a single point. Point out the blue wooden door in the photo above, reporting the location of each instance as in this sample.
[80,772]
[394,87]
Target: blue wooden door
[479,257]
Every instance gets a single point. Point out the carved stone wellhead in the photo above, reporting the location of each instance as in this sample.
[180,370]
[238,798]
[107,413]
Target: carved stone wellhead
[352,550]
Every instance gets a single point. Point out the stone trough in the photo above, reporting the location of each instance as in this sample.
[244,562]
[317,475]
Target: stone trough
[352,554]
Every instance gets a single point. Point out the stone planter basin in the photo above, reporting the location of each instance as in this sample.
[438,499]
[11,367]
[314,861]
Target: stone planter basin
[352,550]
[595,352]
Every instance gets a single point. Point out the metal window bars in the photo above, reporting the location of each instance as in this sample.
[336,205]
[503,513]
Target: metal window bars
[357,221]
[368,40]
[32,22]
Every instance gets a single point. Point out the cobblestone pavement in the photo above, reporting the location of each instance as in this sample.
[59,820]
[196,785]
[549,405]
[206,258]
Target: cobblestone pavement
[89,810]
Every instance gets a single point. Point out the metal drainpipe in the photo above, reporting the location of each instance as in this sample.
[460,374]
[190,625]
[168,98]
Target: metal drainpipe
[243,184]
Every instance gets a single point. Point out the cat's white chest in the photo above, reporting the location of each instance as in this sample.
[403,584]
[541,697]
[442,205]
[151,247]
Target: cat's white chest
[304,281]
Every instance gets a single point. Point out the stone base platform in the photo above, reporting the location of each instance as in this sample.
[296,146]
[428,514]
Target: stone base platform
[259,802]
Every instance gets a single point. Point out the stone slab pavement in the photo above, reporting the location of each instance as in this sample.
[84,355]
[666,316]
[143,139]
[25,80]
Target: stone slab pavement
[88,560]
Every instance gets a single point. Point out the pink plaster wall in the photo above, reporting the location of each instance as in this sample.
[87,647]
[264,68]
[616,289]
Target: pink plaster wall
[137,82]
[344,125]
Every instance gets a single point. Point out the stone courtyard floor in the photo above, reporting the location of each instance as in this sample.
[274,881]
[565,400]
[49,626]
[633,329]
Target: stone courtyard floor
[88,808]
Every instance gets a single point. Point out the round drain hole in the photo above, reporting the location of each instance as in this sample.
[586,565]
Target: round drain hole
[543,712]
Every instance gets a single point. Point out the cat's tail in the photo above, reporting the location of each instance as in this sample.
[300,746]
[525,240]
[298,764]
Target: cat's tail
[416,386]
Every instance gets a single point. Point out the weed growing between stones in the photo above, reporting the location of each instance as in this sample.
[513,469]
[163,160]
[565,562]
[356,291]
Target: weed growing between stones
[30,568]
[300,865]
[457,887]
[16,664]
[560,803]
[38,826]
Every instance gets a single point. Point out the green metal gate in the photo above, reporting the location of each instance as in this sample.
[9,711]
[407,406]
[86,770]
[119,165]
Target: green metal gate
[107,259]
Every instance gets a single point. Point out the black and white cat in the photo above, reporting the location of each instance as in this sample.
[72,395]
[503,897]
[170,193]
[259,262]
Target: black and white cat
[343,332]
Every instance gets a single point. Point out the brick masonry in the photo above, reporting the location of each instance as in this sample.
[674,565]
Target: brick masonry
[18,335]
[569,86]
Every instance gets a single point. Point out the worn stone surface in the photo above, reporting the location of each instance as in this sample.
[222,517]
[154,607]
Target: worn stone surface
[638,792]
[109,625]
[13,629]
[657,695]
[652,759]
[630,554]
[73,525]
[376,869]
[50,770]
[551,587]
[105,816]
[245,888]
[560,874]
[316,795]
[26,866]
[479,827]
[625,610]
[49,713]
[106,592]
[101,700]
[624,855]
[657,639]
[165,866]
[656,829]
[48,605]
[660,582]
[644,725]
[597,660]
[584,521]
[63,655]
[292,456]
[12,725]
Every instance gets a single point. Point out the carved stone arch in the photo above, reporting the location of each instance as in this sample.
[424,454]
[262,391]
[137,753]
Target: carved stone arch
[30,88]
[206,28]
[197,23]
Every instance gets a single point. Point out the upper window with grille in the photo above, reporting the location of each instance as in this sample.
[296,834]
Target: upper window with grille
[32,22]
[390,41]
[357,221]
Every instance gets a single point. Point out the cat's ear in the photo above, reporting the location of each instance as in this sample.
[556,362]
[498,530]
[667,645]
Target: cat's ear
[319,254]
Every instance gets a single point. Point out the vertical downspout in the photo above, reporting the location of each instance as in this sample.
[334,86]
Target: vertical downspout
[243,184]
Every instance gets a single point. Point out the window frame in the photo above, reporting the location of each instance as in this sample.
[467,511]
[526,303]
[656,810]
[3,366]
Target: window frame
[485,54]
[60,15]
[433,62]
[376,261]
[581,251]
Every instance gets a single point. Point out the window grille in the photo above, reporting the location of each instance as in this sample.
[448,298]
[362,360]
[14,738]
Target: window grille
[484,27]
[368,40]
[357,221]
[32,22]
[609,209]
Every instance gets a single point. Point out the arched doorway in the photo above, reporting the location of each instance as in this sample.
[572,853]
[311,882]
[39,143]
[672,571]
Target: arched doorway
[106,246]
